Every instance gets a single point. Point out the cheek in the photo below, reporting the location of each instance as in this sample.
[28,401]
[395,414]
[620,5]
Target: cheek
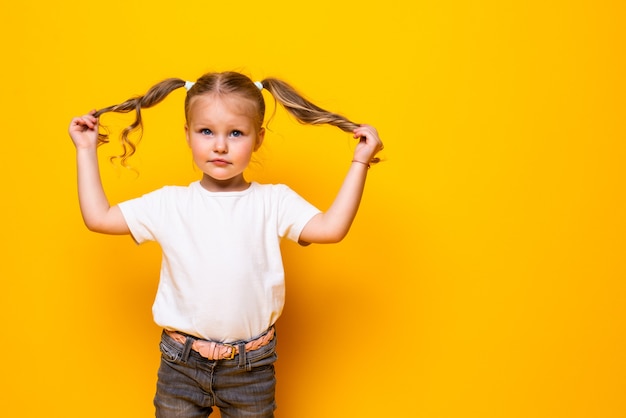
[197,148]
[250,150]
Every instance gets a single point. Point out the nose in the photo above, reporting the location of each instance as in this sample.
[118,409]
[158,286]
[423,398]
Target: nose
[220,145]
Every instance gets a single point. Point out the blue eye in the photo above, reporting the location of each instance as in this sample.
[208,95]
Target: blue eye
[205,131]
[237,133]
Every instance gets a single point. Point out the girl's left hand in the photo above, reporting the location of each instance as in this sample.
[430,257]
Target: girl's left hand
[369,143]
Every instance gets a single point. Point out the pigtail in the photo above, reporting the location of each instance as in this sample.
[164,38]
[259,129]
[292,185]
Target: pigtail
[153,96]
[302,109]
[305,111]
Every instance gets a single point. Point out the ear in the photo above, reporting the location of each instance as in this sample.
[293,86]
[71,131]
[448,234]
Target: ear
[259,139]
[187,135]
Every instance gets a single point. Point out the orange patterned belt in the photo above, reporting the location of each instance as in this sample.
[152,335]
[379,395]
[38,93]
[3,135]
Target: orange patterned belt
[219,351]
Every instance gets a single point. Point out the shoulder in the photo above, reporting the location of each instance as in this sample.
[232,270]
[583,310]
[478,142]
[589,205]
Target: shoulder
[176,190]
[280,195]
[275,193]
[271,189]
[163,194]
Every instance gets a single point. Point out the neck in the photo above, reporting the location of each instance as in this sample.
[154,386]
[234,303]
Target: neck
[235,184]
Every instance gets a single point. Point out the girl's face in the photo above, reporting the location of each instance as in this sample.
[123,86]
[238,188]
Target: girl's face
[222,134]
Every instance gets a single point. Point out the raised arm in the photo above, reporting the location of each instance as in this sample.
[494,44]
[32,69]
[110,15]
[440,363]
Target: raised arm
[333,225]
[98,214]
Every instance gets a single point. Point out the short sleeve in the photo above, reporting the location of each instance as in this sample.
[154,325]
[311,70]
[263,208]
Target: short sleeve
[294,213]
[142,215]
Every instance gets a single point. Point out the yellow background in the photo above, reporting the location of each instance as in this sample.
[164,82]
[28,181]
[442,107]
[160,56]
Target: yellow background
[484,275]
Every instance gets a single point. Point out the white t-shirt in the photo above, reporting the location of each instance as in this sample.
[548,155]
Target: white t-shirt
[222,274]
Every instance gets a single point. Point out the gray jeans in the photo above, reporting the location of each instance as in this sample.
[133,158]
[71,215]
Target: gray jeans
[189,385]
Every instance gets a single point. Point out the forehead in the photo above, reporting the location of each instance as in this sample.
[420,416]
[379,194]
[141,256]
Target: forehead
[212,105]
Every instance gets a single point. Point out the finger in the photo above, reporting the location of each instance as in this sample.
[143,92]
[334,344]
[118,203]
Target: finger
[365,130]
[90,121]
[78,121]
[367,136]
[360,133]
[83,123]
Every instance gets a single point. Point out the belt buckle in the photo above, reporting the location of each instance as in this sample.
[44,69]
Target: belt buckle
[232,352]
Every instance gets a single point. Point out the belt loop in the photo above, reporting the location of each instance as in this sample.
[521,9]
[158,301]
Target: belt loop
[242,356]
[187,348]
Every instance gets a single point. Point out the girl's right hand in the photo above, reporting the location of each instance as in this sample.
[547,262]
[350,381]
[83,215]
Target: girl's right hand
[84,131]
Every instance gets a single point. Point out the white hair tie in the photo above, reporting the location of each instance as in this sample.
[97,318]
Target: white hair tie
[259,85]
[189,84]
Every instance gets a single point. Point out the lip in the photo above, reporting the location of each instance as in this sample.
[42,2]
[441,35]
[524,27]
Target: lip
[219,162]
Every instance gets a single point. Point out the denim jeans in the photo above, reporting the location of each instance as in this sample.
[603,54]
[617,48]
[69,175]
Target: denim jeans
[189,385]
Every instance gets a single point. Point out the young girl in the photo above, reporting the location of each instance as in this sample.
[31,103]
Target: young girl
[222,282]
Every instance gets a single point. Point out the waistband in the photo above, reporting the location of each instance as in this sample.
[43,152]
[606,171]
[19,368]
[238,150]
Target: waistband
[219,351]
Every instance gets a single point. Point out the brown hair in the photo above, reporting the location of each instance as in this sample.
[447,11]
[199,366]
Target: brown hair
[224,83]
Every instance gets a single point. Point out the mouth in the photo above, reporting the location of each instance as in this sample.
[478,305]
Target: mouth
[219,161]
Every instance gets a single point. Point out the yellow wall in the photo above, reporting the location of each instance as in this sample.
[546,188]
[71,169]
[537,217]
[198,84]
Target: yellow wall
[484,276]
